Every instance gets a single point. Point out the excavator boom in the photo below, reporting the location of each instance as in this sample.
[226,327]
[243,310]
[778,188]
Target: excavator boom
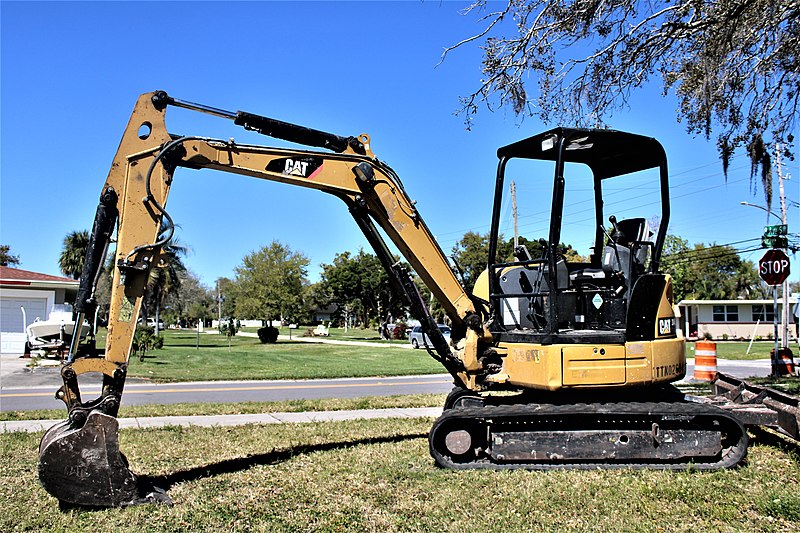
[134,199]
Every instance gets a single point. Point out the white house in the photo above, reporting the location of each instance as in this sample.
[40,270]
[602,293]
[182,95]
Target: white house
[733,319]
[36,293]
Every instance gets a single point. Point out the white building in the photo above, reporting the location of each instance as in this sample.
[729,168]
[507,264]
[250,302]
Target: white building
[36,293]
[733,319]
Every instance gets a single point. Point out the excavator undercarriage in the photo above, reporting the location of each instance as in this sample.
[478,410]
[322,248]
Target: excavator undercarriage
[671,434]
[558,363]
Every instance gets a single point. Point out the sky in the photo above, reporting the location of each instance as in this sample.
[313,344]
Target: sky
[70,73]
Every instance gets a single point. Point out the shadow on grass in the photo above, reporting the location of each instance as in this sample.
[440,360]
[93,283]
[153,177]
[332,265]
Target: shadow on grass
[240,464]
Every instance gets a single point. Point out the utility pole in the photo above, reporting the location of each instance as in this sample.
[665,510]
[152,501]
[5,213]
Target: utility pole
[514,211]
[785,309]
[219,305]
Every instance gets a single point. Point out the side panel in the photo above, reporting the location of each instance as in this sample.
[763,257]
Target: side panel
[553,367]
[593,365]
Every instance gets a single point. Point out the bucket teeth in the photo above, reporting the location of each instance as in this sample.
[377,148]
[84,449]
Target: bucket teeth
[83,466]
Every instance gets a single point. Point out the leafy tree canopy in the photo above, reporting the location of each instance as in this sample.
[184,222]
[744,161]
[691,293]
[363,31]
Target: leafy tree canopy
[734,65]
[6,257]
[360,283]
[191,300]
[269,283]
[471,253]
[709,272]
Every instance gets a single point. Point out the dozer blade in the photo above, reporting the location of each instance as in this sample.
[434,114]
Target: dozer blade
[83,466]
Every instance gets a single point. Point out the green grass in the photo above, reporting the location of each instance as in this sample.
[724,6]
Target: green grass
[377,476]
[738,350]
[247,358]
[241,408]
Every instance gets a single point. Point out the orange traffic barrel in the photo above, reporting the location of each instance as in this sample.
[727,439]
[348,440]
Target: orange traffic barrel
[783,365]
[705,360]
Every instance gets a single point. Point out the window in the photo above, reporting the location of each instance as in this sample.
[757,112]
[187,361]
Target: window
[764,313]
[726,313]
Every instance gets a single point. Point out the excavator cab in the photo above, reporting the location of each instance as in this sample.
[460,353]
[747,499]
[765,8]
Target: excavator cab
[552,299]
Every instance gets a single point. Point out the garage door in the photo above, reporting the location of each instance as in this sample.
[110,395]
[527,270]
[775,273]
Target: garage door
[11,316]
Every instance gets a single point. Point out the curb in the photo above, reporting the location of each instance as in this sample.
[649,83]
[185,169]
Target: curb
[33,426]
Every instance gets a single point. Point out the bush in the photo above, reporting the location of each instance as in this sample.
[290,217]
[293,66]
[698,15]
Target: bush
[724,336]
[399,331]
[228,326]
[707,336]
[145,340]
[268,335]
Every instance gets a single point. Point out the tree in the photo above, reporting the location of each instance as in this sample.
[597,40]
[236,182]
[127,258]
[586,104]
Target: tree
[6,258]
[165,280]
[734,65]
[471,253]
[709,272]
[361,285]
[269,283]
[73,253]
[675,261]
[192,301]
[225,290]
[316,296]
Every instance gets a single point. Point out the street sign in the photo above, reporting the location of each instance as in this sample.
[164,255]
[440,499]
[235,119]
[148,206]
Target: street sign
[774,267]
[774,242]
[777,230]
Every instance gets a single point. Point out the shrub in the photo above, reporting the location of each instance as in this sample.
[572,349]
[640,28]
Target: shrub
[268,335]
[145,340]
[228,326]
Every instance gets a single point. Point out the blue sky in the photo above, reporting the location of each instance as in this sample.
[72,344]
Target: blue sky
[71,73]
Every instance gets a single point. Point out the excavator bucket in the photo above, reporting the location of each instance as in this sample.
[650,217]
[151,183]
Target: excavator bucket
[83,466]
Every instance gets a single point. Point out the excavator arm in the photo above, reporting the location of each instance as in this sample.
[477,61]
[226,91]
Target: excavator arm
[134,199]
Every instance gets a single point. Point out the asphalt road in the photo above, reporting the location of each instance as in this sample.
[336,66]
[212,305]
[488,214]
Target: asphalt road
[140,393]
[22,390]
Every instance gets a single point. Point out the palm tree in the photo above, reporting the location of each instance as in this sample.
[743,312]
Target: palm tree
[73,253]
[165,280]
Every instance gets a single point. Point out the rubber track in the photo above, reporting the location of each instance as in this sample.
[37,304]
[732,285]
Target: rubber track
[633,411]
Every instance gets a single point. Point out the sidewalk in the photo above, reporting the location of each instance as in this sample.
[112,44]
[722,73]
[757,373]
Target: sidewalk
[33,426]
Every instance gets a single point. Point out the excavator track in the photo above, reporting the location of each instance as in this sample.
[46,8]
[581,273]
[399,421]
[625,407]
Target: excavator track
[652,435]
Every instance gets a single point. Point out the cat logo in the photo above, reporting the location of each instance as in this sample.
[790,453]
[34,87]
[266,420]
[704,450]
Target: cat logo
[301,167]
[666,326]
[296,168]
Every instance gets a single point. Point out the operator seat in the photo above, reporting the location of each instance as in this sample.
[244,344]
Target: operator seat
[622,253]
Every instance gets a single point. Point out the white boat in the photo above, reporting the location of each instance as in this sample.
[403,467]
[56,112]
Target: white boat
[58,327]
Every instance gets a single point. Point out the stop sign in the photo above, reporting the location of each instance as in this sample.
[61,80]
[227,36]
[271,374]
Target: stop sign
[774,267]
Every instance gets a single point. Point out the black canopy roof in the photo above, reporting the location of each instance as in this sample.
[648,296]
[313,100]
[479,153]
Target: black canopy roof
[608,153]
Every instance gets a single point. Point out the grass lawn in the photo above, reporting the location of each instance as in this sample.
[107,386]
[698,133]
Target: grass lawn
[738,350]
[376,475]
[247,358]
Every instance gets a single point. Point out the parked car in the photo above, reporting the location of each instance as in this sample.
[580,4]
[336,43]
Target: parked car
[151,323]
[417,338]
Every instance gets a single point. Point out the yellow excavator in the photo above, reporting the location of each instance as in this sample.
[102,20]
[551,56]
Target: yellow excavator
[556,363]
